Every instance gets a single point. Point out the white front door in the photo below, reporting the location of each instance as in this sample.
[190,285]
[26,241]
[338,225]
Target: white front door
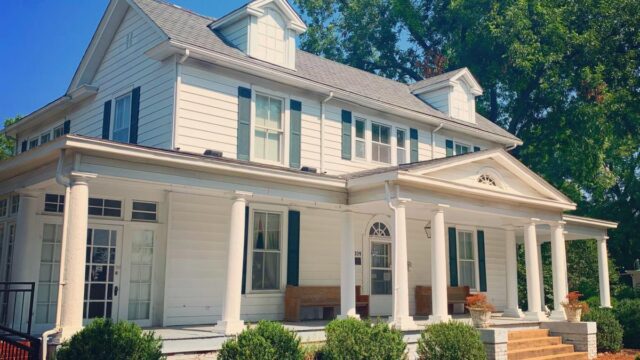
[381,298]
[137,275]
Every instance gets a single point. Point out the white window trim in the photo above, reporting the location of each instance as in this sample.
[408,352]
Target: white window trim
[53,129]
[112,120]
[407,144]
[368,137]
[284,223]
[131,210]
[384,240]
[123,208]
[474,243]
[392,149]
[36,139]
[284,150]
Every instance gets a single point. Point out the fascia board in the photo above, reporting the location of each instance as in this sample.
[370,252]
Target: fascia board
[602,224]
[369,181]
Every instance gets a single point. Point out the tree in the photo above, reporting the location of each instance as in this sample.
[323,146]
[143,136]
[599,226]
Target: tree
[561,75]
[7,145]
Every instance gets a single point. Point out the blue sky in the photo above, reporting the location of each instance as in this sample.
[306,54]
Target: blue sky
[42,42]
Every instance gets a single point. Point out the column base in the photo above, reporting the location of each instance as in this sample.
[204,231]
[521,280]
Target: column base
[434,319]
[535,316]
[403,323]
[348,316]
[558,315]
[229,327]
[513,313]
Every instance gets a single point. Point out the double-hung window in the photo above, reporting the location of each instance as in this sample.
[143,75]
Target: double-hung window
[58,131]
[266,250]
[122,119]
[269,130]
[380,143]
[33,143]
[4,207]
[401,143]
[361,144]
[466,260]
[44,138]
[462,149]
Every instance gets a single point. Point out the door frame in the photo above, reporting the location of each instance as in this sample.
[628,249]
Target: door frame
[379,305]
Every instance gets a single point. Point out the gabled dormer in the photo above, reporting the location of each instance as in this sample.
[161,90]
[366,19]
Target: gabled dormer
[263,29]
[454,93]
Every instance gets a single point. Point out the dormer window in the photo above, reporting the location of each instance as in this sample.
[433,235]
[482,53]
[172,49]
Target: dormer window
[271,39]
[486,179]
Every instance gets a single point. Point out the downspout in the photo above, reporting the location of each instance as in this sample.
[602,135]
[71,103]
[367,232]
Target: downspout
[64,181]
[176,96]
[433,140]
[322,116]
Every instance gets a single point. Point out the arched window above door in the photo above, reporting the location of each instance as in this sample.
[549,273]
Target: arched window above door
[379,229]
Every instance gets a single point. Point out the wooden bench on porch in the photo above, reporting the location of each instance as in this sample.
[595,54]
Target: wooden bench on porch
[455,295]
[296,297]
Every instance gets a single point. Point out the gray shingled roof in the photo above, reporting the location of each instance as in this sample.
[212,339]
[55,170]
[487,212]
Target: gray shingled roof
[435,79]
[193,29]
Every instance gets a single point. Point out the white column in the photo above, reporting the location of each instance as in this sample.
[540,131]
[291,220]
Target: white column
[400,318]
[230,324]
[603,272]
[543,306]
[347,270]
[559,268]
[26,244]
[76,248]
[438,268]
[512,309]
[533,274]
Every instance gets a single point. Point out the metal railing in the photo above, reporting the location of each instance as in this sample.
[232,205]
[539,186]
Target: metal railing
[15,345]
[16,310]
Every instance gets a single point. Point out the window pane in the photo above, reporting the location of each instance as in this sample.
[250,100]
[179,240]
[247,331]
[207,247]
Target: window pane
[400,138]
[360,129]
[275,113]
[259,143]
[360,149]
[259,223]
[272,270]
[375,132]
[257,270]
[380,282]
[385,154]
[401,156]
[384,134]
[272,147]
[262,110]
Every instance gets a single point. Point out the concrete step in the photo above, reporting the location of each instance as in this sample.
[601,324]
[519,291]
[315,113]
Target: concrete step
[569,356]
[533,342]
[533,353]
[527,334]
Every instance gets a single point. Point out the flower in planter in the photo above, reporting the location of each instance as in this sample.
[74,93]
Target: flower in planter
[573,307]
[479,302]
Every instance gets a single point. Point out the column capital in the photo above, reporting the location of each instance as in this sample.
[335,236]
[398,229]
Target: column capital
[241,195]
[400,201]
[557,224]
[509,227]
[81,177]
[604,238]
[440,207]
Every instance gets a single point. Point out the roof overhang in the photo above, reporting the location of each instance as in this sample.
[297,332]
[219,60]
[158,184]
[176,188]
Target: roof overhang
[463,74]
[590,222]
[256,8]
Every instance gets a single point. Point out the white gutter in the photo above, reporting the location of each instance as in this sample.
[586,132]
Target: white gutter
[64,181]
[511,147]
[433,140]
[322,117]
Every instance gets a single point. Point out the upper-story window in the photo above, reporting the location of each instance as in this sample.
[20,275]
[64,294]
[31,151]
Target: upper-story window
[3,207]
[33,143]
[462,149]
[122,118]
[15,204]
[401,145]
[380,143]
[361,144]
[269,130]
[44,138]
[58,131]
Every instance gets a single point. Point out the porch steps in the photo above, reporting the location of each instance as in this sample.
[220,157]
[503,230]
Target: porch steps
[536,344]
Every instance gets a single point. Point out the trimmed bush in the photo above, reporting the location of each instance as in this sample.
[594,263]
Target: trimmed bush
[358,340]
[609,329]
[452,340]
[103,339]
[628,314]
[267,341]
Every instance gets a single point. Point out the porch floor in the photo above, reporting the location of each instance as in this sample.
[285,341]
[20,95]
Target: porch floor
[193,339]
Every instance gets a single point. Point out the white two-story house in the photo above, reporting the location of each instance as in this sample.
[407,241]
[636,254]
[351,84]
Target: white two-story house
[196,167]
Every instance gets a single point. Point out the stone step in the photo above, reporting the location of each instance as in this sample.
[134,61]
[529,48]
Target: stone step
[533,353]
[533,342]
[568,356]
[527,334]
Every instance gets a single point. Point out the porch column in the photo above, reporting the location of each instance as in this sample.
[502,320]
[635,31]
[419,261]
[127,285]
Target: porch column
[438,267]
[400,318]
[230,324]
[533,274]
[75,253]
[24,267]
[559,269]
[543,305]
[603,272]
[512,309]
[347,270]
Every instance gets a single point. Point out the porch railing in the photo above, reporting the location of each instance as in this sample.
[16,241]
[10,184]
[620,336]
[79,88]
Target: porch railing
[16,310]
[15,345]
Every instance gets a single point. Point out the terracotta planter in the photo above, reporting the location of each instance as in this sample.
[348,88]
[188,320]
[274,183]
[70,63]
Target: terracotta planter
[573,314]
[480,317]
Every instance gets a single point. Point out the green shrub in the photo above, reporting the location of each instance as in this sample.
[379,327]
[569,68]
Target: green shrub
[451,341]
[267,341]
[609,329]
[104,339]
[358,340]
[628,314]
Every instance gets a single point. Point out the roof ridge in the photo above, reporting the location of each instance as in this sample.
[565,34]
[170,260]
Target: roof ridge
[192,12]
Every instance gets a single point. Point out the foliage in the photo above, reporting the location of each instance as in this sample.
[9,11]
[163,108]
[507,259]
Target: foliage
[572,301]
[479,301]
[451,341]
[609,329]
[268,340]
[7,145]
[104,339]
[628,314]
[358,340]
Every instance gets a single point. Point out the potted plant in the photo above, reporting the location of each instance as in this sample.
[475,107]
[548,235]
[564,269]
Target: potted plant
[480,309]
[573,307]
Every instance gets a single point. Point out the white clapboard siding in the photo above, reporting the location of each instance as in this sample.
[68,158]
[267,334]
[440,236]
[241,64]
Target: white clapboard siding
[495,256]
[320,247]
[121,70]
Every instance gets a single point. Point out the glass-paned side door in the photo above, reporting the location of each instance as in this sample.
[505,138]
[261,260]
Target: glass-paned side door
[102,272]
[141,274]
[47,298]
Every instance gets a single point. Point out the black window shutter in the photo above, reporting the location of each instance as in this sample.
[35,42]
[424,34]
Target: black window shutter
[453,257]
[135,115]
[449,144]
[346,135]
[24,145]
[244,255]
[413,144]
[482,264]
[66,127]
[476,148]
[293,248]
[244,123]
[106,119]
[295,135]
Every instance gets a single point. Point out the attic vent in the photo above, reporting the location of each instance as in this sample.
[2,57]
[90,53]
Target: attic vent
[213,153]
[486,179]
[129,40]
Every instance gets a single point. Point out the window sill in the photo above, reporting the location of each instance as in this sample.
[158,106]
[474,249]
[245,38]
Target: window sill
[264,293]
